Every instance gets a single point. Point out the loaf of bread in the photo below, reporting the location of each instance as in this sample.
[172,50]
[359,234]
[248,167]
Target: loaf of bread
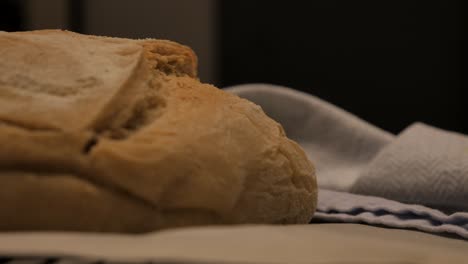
[117,135]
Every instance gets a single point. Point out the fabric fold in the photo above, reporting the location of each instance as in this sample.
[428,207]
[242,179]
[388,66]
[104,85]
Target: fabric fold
[423,165]
[422,172]
[352,208]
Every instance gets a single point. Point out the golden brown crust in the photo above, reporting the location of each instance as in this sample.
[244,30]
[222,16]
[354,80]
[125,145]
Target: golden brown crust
[118,135]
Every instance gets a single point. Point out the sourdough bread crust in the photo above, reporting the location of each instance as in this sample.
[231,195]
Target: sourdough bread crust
[118,135]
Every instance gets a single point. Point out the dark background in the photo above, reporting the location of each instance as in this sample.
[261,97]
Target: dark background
[389,62]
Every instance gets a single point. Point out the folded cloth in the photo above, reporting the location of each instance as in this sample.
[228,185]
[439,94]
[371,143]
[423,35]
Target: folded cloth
[422,165]
[352,208]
